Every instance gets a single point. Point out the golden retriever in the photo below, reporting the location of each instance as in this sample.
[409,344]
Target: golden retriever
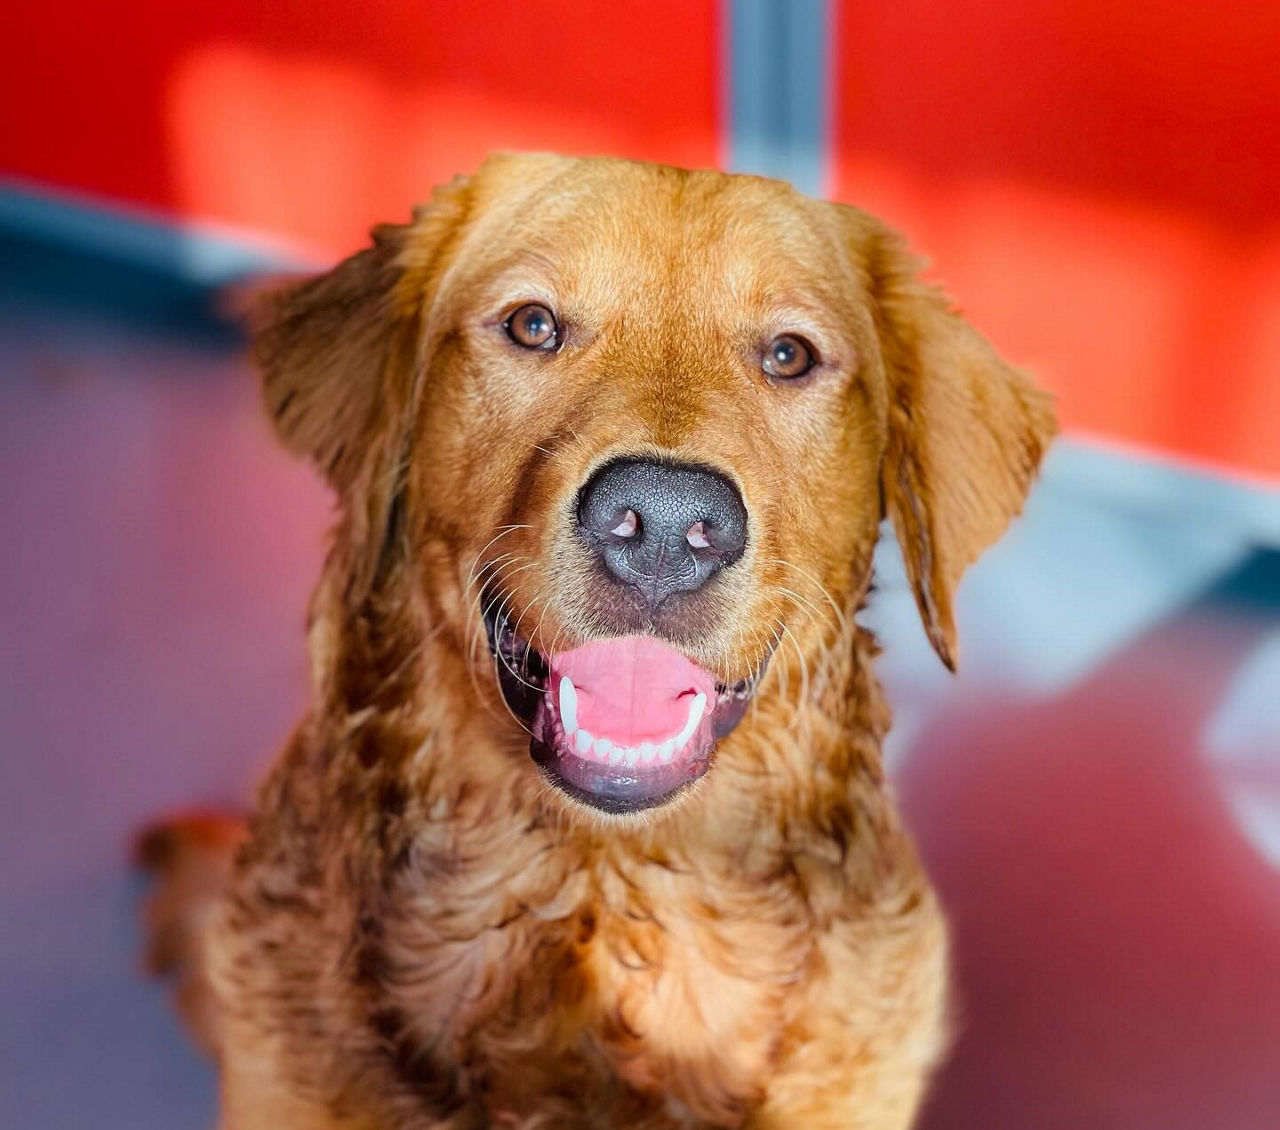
[587,825]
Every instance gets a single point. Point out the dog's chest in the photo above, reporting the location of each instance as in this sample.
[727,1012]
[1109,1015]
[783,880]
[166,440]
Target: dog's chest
[672,979]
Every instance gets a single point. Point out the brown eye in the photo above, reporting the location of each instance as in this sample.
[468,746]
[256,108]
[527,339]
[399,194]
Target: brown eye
[788,357]
[533,327]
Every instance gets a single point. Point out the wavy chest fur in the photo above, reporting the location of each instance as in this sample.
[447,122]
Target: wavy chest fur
[539,966]
[461,953]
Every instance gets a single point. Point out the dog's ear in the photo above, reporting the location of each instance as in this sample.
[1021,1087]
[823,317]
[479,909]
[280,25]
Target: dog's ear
[338,357]
[324,347]
[331,349]
[966,432]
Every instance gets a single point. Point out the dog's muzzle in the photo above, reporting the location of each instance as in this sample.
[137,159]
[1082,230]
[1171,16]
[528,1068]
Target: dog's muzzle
[620,724]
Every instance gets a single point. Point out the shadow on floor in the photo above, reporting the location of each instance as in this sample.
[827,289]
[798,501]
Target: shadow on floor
[1117,936]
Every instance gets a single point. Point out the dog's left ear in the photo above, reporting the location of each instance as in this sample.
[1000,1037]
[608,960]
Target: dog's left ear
[966,432]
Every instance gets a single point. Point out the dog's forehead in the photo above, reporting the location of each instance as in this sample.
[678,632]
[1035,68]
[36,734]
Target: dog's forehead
[618,227]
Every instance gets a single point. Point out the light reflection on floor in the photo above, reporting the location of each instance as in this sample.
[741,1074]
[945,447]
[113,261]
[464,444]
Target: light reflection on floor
[1097,794]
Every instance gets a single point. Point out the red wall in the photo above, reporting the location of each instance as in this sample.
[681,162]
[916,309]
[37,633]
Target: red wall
[316,118]
[1099,181]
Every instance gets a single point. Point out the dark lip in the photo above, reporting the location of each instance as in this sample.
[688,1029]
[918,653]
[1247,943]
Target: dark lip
[522,676]
[615,791]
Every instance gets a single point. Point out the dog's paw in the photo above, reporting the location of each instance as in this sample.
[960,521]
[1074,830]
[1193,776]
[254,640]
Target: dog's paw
[190,856]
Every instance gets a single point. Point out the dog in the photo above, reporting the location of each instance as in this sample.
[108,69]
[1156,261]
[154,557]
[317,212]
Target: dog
[587,825]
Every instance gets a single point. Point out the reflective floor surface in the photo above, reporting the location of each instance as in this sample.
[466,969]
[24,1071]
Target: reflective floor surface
[1097,794]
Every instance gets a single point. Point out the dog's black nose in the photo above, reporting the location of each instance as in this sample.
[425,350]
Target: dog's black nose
[662,528]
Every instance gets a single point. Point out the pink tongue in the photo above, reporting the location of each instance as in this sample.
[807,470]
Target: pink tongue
[633,689]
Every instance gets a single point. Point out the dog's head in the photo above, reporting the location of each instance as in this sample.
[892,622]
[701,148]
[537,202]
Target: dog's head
[639,426]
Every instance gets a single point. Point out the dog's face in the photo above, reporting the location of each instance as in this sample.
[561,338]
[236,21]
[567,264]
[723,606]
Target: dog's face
[639,426]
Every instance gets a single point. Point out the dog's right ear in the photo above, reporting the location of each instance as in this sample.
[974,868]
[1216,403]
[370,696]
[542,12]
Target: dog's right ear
[338,352]
[323,347]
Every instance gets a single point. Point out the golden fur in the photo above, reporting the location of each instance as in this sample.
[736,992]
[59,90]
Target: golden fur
[417,931]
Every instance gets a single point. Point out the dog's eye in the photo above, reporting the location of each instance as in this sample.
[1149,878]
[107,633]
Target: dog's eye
[533,327]
[788,357]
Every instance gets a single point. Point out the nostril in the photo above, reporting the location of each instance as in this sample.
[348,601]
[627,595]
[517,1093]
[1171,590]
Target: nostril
[628,526]
[696,536]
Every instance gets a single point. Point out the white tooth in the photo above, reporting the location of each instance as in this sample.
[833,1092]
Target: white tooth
[568,705]
[601,748]
[696,709]
[616,754]
[667,749]
[582,741]
[631,757]
[648,751]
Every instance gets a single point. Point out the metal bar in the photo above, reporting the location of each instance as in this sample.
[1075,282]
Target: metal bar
[779,90]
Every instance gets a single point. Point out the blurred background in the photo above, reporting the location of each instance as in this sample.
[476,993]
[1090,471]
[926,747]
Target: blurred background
[1098,182]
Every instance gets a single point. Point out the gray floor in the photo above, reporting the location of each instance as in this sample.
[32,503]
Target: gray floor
[1098,794]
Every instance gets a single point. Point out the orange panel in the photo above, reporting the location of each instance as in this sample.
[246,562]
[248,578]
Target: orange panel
[1099,181]
[315,119]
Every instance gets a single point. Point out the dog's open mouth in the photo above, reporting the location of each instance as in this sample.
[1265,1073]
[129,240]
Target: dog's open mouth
[621,724]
